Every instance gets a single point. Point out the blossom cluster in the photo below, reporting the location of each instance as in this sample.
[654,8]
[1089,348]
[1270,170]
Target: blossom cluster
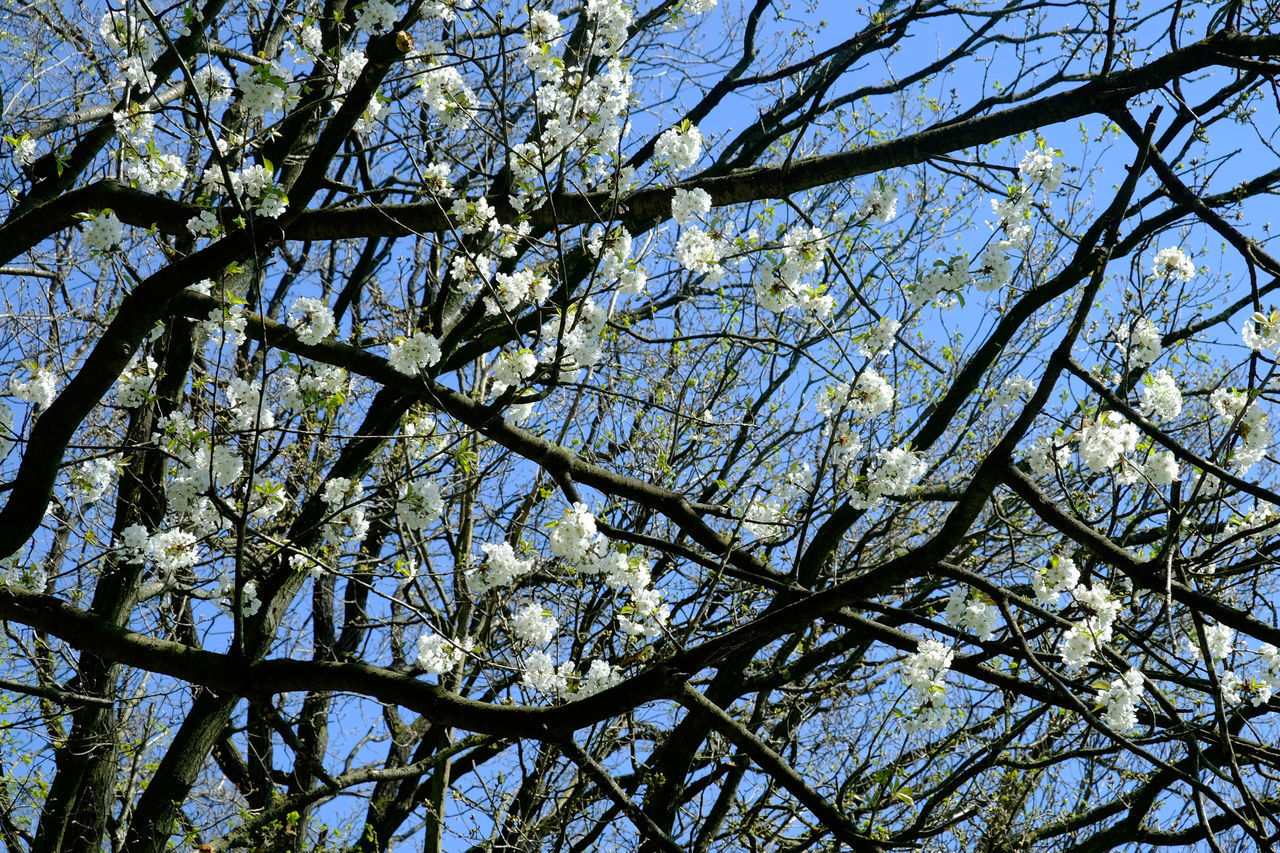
[925,674]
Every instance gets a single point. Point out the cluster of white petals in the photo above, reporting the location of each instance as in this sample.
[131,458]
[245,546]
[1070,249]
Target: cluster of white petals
[1059,576]
[679,147]
[1121,701]
[1252,425]
[1139,341]
[971,614]
[311,319]
[38,388]
[412,356]
[925,674]
[102,232]
[1173,263]
[1103,443]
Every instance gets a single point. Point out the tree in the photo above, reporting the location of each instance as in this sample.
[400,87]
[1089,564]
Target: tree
[469,426]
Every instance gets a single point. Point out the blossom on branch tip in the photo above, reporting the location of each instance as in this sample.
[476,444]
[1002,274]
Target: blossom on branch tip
[1172,262]
[412,356]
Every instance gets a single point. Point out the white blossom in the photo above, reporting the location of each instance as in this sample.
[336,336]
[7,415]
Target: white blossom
[1121,701]
[420,504]
[1140,341]
[311,319]
[945,277]
[1104,442]
[542,674]
[600,676]
[1014,390]
[968,613]
[412,356]
[679,147]
[700,252]
[1261,332]
[1059,576]
[574,534]
[38,388]
[1161,468]
[686,204]
[1041,167]
[376,16]
[879,340]
[925,674]
[1160,396]
[880,203]
[102,232]
[1173,262]
[533,625]
[438,655]
[501,568]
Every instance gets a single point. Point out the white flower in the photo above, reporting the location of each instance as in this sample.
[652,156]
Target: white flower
[543,29]
[681,148]
[574,534]
[376,16]
[700,252]
[1121,700]
[945,277]
[501,568]
[966,613]
[1013,390]
[102,232]
[1059,576]
[420,504]
[263,88]
[1103,443]
[512,368]
[204,224]
[1161,468]
[311,39]
[542,674]
[872,395]
[877,342]
[343,498]
[135,543]
[1220,639]
[414,355]
[173,549]
[438,655]
[39,388]
[925,674]
[1040,167]
[880,203]
[686,204]
[764,518]
[312,391]
[1173,262]
[1082,641]
[311,319]
[213,84]
[1262,332]
[1160,396]
[600,676]
[612,19]
[245,401]
[95,476]
[898,471]
[532,625]
[1253,425]
[995,267]
[24,151]
[1139,341]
